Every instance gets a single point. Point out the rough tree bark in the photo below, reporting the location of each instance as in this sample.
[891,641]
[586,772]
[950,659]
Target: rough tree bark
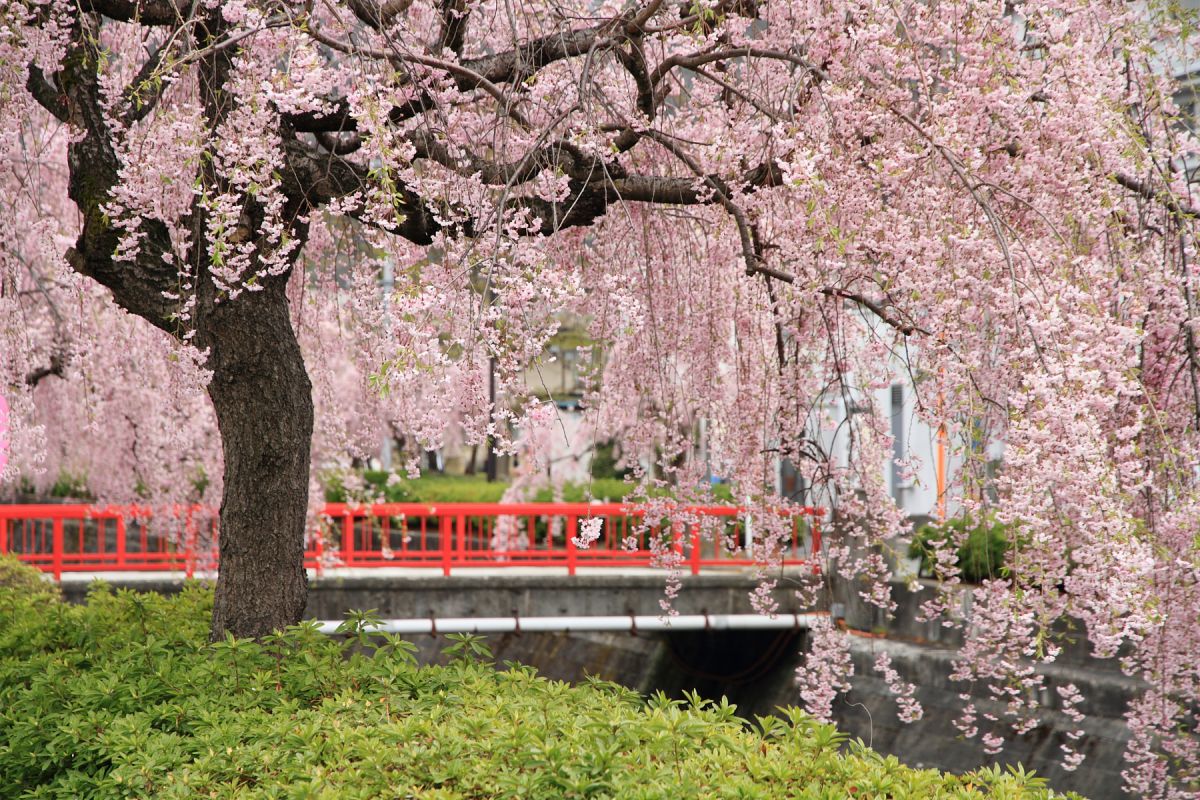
[263,399]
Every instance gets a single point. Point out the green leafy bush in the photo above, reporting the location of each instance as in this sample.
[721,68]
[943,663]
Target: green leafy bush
[426,489]
[124,697]
[604,462]
[611,489]
[476,489]
[23,578]
[438,488]
[70,486]
[981,555]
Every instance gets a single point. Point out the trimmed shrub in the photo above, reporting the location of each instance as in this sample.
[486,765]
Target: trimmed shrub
[476,489]
[981,555]
[124,697]
[604,462]
[25,579]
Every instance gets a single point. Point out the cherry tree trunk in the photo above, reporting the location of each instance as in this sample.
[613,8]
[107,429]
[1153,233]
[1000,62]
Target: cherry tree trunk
[263,401]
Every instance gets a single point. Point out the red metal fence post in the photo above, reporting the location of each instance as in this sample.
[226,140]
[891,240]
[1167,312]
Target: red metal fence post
[572,535]
[57,546]
[695,548]
[120,538]
[347,538]
[189,547]
[319,548]
[460,540]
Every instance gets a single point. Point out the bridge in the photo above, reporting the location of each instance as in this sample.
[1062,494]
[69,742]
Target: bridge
[62,539]
[449,560]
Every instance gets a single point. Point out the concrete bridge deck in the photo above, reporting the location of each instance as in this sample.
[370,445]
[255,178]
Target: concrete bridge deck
[493,591]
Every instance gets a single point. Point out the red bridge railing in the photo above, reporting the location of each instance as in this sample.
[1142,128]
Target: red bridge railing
[447,536]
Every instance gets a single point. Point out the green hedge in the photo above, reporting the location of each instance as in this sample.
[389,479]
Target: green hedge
[476,489]
[981,555]
[124,697]
[26,580]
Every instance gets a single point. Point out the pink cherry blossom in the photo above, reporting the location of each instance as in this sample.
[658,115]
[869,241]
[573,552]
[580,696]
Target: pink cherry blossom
[753,215]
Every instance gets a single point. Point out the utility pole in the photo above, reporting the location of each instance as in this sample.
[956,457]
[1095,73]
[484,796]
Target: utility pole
[491,465]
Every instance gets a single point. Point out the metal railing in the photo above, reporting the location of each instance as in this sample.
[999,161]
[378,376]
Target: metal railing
[446,536]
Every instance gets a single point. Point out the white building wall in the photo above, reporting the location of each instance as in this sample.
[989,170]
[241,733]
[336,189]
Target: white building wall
[914,489]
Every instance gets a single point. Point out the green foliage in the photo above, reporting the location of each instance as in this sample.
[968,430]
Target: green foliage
[604,462]
[612,489]
[70,486]
[23,578]
[475,489]
[124,697]
[426,489]
[461,489]
[981,555]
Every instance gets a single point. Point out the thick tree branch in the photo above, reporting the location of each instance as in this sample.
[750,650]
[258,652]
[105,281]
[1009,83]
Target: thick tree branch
[1147,192]
[313,179]
[634,61]
[700,59]
[140,284]
[56,368]
[588,200]
[878,308]
[560,154]
[636,25]
[378,14]
[143,92]
[464,77]
[455,14]
[46,95]
[340,144]
[339,120]
[517,64]
[146,12]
